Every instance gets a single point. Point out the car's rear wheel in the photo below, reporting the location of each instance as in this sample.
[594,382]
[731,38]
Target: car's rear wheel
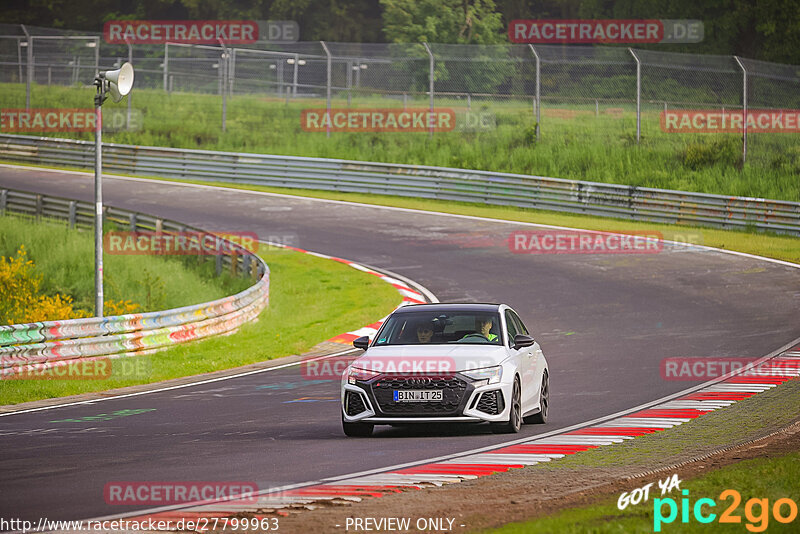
[514,422]
[356,430]
[544,403]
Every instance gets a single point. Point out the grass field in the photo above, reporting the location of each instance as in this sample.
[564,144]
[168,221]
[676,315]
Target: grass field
[576,142]
[65,259]
[770,479]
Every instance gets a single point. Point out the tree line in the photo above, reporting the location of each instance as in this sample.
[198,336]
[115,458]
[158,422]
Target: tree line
[765,29]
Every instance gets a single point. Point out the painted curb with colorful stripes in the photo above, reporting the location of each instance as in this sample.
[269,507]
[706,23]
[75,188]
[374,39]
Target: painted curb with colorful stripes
[349,489]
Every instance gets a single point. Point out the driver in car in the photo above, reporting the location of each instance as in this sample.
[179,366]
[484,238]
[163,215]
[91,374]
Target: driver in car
[483,327]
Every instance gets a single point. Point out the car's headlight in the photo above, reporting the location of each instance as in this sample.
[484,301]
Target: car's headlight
[354,373]
[487,375]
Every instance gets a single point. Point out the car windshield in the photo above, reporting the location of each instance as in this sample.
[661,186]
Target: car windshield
[439,328]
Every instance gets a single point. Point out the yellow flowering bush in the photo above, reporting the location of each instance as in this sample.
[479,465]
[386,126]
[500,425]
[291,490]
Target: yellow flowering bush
[21,301]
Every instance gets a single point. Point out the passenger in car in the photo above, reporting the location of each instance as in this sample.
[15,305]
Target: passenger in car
[424,333]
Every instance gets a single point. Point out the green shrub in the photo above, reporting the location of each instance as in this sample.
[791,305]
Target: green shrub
[722,151]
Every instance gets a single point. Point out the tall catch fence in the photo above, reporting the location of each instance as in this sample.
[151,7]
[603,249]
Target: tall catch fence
[586,92]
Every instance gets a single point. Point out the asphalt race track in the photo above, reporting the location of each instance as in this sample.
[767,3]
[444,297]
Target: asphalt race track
[605,322]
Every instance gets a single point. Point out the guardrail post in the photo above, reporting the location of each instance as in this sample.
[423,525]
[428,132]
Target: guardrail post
[3,201]
[159,226]
[537,100]
[132,222]
[246,263]
[744,108]
[638,95]
[38,207]
[218,264]
[430,84]
[73,213]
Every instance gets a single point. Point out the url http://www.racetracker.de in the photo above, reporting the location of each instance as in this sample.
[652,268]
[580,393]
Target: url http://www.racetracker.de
[123,526]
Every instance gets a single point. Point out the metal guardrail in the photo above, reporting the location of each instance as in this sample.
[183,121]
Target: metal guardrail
[35,346]
[572,196]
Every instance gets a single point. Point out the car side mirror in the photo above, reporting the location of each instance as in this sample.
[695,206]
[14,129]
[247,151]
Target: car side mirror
[361,342]
[520,341]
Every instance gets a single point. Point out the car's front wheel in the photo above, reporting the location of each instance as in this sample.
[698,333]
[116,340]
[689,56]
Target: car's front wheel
[514,423]
[356,430]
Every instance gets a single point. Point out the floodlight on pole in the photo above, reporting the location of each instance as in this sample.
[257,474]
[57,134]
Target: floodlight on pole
[118,83]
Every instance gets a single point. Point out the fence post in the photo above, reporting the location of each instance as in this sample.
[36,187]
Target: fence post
[224,69]
[294,75]
[29,71]
[166,67]
[744,108]
[96,56]
[537,98]
[430,84]
[328,89]
[19,57]
[349,81]
[232,71]
[638,95]
[130,95]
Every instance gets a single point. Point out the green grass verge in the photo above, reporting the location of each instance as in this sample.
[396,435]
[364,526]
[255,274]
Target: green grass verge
[65,258]
[311,299]
[772,479]
[575,142]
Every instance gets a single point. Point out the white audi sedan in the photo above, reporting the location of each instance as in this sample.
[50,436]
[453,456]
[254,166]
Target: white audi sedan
[436,363]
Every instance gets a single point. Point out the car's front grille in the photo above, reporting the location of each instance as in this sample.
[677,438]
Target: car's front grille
[354,403]
[453,394]
[491,402]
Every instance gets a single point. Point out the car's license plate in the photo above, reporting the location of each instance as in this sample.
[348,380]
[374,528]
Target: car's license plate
[418,395]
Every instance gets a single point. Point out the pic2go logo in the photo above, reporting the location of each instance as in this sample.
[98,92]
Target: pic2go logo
[756,511]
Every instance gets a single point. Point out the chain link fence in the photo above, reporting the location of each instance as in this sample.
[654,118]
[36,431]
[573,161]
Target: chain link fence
[577,93]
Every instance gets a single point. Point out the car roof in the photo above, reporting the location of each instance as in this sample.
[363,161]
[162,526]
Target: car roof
[450,307]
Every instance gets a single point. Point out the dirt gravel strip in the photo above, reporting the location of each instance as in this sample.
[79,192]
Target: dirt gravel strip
[395,487]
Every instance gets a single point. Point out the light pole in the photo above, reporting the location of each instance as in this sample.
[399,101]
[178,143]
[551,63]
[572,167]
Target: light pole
[119,83]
